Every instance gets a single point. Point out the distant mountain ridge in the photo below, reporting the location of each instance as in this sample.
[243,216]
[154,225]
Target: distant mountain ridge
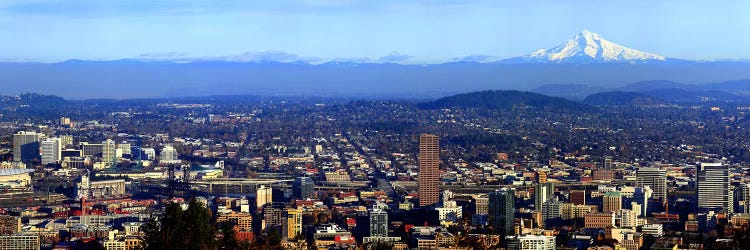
[507,100]
[665,90]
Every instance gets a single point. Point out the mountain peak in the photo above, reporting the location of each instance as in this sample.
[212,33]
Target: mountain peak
[587,47]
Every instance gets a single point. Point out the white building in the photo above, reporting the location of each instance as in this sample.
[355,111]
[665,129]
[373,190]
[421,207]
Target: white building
[51,150]
[109,150]
[150,153]
[657,230]
[531,242]
[264,195]
[450,212]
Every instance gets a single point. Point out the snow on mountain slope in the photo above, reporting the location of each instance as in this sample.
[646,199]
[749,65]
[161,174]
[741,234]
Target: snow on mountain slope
[588,47]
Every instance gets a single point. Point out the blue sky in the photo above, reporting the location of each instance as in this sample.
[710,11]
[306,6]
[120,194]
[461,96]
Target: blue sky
[382,30]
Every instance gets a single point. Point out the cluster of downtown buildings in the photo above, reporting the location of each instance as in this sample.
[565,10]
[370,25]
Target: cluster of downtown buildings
[338,198]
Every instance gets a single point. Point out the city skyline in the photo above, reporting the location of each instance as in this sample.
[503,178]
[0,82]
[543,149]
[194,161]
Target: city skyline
[317,31]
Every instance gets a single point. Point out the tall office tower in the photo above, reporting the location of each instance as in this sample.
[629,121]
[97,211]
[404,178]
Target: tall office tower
[578,197]
[303,188]
[109,149]
[294,222]
[501,211]
[550,211]
[608,163]
[26,146]
[51,150]
[742,198]
[713,188]
[264,195]
[543,192]
[656,179]
[612,202]
[429,169]
[378,223]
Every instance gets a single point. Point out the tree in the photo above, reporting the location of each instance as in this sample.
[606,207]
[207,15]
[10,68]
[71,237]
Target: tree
[178,229]
[229,237]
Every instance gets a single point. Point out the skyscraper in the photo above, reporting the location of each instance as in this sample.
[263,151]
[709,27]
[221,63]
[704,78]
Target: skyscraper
[51,150]
[26,146]
[264,195]
[550,211]
[294,222]
[543,192]
[713,188]
[501,211]
[429,169]
[612,202]
[378,223]
[303,188]
[655,178]
[109,149]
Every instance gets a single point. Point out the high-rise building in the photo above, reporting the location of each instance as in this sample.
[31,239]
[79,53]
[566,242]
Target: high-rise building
[264,195]
[26,146]
[378,223]
[608,163]
[612,202]
[550,211]
[655,178]
[627,218]
[273,216]
[742,198]
[578,197]
[501,211]
[543,192]
[51,150]
[713,188]
[429,169]
[294,222]
[108,152]
[303,188]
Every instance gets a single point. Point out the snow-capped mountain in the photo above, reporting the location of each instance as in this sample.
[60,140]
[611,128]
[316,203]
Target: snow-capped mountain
[588,47]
